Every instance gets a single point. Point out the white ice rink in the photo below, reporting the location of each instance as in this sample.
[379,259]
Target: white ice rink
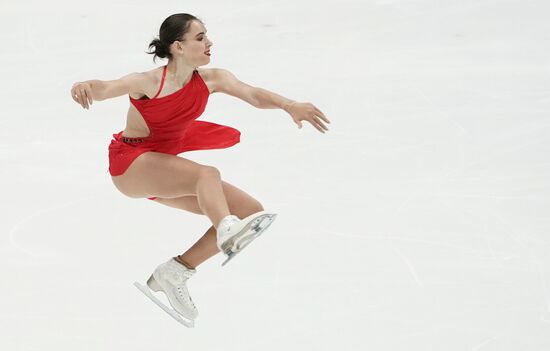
[420,221]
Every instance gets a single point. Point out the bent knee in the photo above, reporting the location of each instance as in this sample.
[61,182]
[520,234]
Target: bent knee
[209,172]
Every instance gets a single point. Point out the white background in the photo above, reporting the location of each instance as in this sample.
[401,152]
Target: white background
[420,221]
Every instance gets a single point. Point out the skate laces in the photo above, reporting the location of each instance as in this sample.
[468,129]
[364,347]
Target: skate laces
[184,294]
[180,277]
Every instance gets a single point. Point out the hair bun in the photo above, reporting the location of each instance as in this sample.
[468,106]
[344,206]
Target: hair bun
[159,49]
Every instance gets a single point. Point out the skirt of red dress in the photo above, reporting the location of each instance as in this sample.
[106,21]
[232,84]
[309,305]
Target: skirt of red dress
[200,135]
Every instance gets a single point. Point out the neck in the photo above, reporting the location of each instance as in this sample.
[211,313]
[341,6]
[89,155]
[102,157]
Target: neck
[179,72]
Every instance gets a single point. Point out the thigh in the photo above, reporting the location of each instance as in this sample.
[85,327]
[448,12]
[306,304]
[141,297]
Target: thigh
[159,174]
[239,202]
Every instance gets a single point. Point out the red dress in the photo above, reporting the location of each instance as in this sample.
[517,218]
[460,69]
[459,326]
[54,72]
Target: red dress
[173,127]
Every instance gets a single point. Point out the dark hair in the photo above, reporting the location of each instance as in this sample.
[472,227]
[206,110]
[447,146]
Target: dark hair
[173,28]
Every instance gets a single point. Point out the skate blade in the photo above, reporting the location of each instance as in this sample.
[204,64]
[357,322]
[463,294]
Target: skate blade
[259,228]
[144,289]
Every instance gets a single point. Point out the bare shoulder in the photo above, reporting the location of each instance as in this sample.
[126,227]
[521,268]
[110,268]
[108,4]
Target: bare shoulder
[217,79]
[145,83]
[208,75]
[223,81]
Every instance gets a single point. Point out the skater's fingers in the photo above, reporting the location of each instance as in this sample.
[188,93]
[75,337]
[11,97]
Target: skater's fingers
[322,115]
[89,95]
[317,126]
[79,97]
[320,123]
[76,94]
[84,98]
[73,94]
[87,98]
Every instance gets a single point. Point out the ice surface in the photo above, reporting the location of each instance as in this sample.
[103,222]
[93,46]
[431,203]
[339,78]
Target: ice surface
[420,221]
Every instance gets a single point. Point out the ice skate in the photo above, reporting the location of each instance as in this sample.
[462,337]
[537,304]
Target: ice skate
[170,278]
[234,234]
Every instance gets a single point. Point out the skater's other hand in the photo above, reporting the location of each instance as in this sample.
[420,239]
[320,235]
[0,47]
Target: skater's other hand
[81,92]
[305,111]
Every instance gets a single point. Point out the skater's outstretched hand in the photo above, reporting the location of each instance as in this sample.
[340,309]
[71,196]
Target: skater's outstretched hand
[81,93]
[305,111]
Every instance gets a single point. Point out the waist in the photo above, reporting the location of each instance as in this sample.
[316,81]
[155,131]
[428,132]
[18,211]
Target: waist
[150,139]
[132,140]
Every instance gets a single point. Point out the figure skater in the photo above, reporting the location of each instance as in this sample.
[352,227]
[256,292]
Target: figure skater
[161,123]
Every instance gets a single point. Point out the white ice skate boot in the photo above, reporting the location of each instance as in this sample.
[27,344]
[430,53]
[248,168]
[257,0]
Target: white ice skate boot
[170,278]
[234,234]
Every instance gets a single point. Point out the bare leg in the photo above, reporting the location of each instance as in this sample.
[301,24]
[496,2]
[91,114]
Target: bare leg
[210,197]
[240,204]
[201,251]
[168,176]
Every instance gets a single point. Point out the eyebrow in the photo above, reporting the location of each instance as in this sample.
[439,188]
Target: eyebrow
[199,34]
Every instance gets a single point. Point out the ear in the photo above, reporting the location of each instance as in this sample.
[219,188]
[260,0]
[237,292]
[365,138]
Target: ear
[176,46]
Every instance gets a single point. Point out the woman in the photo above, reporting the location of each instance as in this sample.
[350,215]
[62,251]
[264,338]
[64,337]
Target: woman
[161,123]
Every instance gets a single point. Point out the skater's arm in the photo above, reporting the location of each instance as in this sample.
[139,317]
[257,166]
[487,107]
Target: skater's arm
[226,82]
[86,92]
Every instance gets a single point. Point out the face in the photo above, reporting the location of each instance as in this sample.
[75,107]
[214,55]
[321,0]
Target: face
[195,49]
